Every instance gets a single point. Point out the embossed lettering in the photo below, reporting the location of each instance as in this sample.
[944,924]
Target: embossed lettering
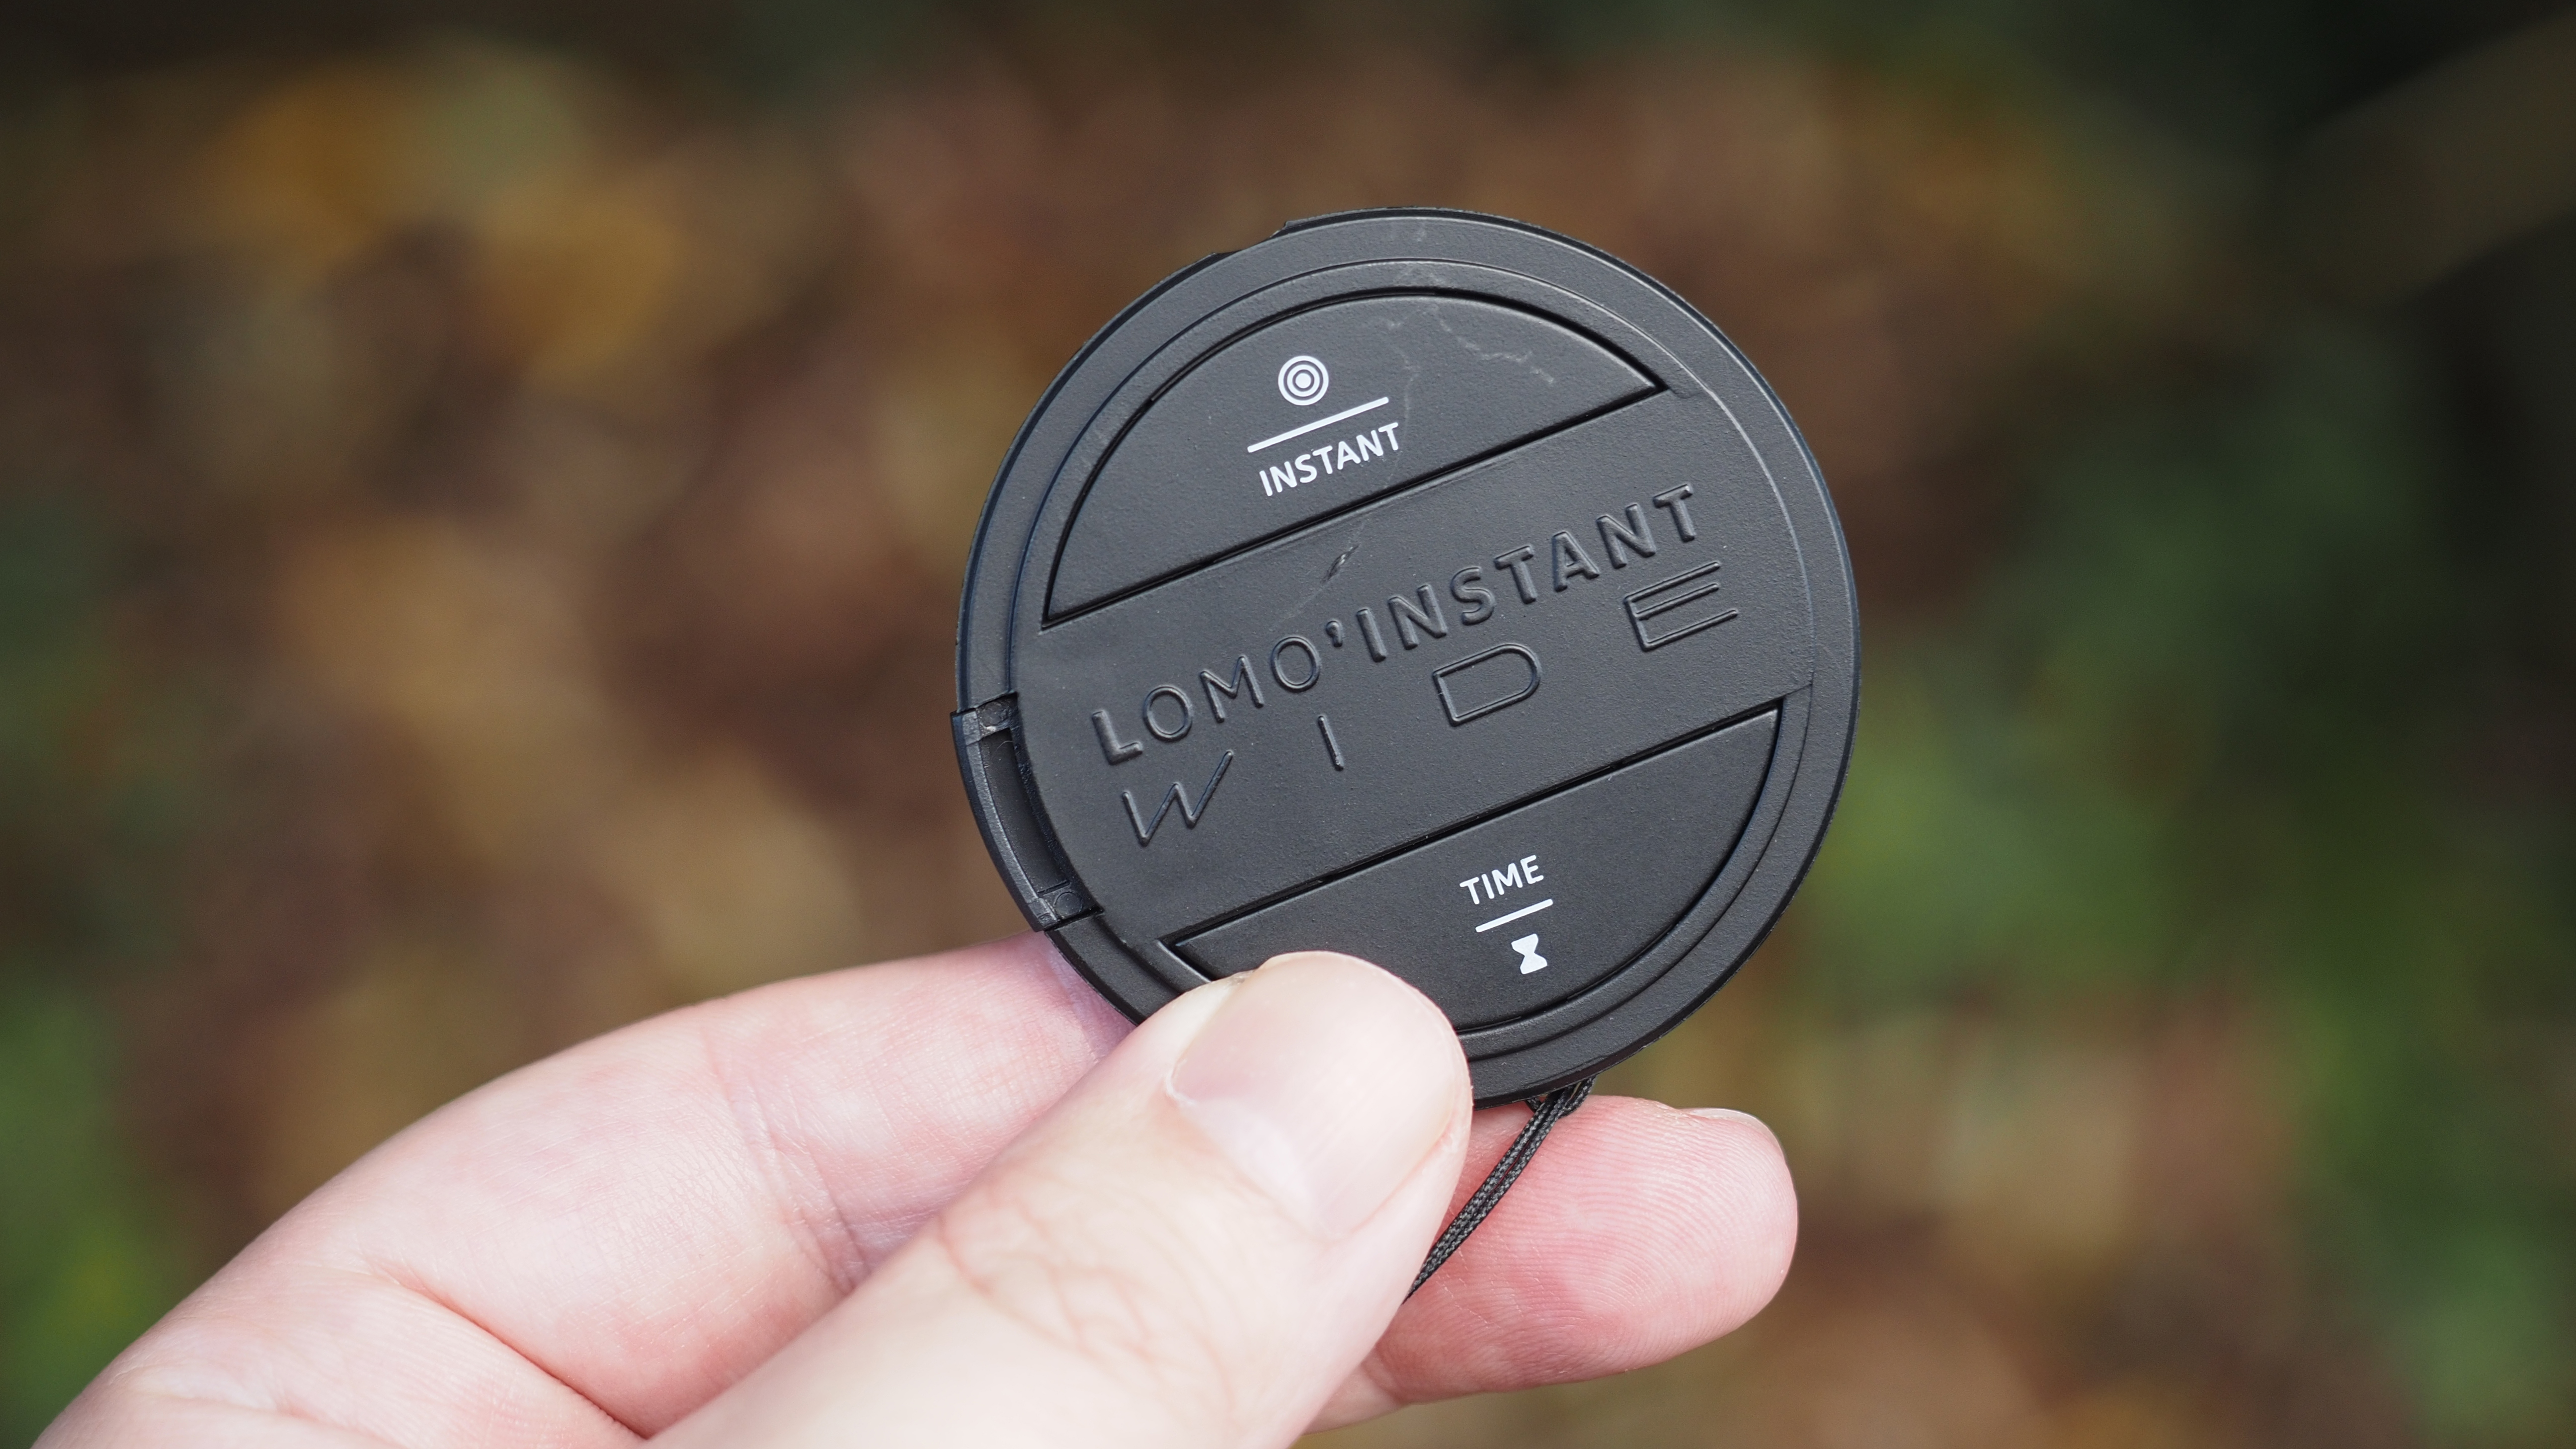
[1660,612]
[1409,618]
[1115,748]
[1567,557]
[1190,811]
[1243,679]
[1673,501]
[1487,692]
[1463,587]
[1636,536]
[1368,631]
[1173,692]
[1279,670]
[1664,612]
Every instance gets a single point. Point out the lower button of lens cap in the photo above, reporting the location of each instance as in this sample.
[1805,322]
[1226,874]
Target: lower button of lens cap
[1504,919]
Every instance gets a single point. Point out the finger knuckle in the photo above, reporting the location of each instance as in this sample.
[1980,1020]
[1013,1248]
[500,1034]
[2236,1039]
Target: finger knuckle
[1113,1288]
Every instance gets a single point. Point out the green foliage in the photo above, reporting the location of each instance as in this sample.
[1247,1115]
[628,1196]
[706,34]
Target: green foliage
[2206,727]
[90,806]
[85,1264]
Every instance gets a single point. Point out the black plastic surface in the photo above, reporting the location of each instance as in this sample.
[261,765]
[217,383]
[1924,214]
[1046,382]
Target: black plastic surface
[1415,385]
[1503,919]
[1371,586]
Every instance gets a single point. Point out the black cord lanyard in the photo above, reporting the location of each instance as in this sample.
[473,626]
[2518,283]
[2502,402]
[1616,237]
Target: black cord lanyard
[1545,1113]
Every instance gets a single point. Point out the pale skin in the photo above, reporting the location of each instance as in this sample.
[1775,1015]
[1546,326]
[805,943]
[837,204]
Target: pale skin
[955,1200]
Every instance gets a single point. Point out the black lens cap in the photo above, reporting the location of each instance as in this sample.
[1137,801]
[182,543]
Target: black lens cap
[1421,585]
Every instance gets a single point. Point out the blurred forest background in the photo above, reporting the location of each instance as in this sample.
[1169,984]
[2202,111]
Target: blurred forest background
[483,490]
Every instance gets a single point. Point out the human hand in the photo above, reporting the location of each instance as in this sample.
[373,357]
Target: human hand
[955,1201]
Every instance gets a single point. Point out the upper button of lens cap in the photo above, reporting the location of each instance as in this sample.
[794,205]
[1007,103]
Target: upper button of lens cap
[1325,409]
[1421,585]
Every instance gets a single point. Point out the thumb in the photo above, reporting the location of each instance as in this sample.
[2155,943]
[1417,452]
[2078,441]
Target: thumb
[1194,1248]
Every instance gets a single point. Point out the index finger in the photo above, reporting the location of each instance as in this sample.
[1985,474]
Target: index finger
[590,1248]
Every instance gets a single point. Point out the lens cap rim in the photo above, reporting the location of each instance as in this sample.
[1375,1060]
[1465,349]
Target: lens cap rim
[1581,285]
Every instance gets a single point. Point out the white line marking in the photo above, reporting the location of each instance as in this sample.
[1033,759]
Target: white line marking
[1516,915]
[1318,423]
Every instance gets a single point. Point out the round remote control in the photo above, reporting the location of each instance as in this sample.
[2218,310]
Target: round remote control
[1425,586]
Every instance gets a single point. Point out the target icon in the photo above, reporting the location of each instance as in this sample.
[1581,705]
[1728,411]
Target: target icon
[1302,380]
